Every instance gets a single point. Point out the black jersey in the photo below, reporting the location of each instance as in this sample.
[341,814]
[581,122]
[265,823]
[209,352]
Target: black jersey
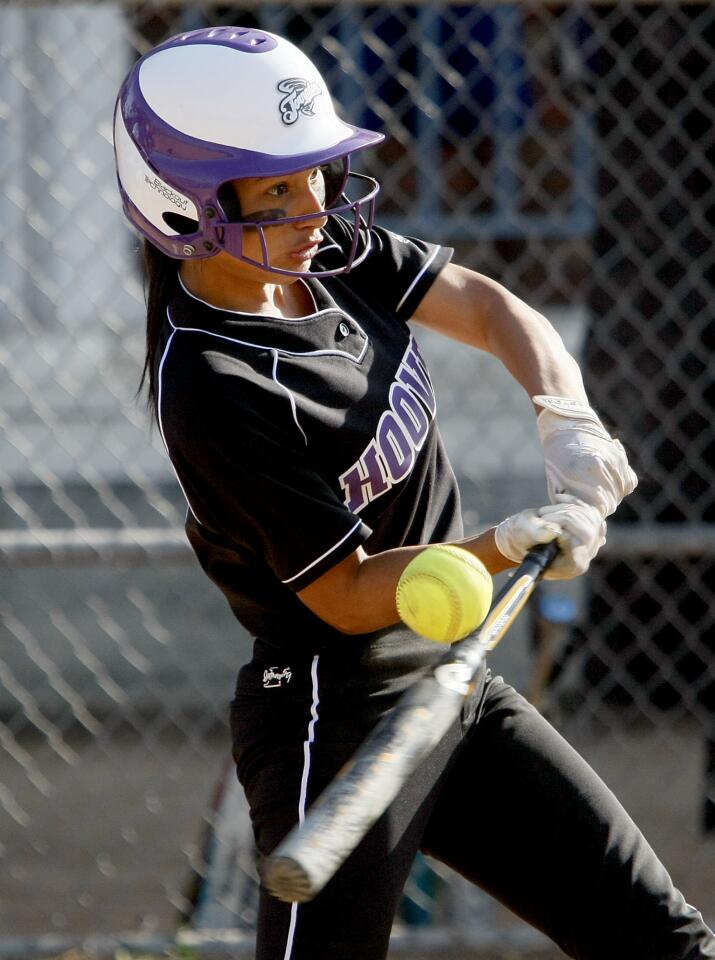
[297,440]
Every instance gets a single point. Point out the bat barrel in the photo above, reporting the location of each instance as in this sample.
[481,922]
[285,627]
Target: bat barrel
[288,880]
[305,860]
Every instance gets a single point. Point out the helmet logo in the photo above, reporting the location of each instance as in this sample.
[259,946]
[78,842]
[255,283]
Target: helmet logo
[300,98]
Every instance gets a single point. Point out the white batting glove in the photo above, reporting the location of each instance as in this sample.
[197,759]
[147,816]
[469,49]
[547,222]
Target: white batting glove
[578,527]
[580,456]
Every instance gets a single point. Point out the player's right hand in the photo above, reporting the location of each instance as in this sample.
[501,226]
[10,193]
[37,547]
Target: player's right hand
[577,526]
[580,456]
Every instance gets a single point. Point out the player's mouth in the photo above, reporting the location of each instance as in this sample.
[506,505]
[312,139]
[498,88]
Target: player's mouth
[307,251]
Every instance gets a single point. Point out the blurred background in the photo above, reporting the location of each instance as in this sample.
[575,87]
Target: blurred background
[565,149]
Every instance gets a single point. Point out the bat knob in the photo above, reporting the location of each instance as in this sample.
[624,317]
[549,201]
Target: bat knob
[286,880]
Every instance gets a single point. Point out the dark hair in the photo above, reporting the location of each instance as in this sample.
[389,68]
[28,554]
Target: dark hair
[159,274]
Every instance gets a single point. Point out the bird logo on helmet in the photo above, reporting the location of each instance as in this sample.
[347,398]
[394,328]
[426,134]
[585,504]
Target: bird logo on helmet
[184,130]
[300,98]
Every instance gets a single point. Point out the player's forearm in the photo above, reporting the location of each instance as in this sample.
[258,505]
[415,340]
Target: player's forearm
[365,600]
[532,350]
[474,309]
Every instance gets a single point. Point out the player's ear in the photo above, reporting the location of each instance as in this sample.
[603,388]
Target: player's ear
[230,204]
[180,223]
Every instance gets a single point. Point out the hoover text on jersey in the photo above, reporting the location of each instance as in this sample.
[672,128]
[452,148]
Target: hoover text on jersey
[400,434]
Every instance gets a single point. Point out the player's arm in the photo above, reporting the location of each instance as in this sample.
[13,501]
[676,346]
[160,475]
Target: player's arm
[357,595]
[580,456]
[478,311]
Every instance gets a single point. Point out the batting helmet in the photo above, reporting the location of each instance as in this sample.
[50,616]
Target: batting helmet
[216,105]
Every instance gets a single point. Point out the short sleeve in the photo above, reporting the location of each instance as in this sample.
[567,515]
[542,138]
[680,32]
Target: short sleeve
[248,477]
[397,271]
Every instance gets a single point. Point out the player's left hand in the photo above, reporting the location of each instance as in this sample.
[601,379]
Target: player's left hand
[580,456]
[578,527]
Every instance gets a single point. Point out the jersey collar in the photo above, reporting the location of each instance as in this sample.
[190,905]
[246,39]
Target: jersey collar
[327,331]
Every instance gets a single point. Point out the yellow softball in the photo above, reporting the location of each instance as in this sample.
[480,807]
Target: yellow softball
[444,593]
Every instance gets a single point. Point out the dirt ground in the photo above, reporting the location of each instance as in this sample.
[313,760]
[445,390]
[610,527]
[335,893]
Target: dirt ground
[460,953]
[110,830]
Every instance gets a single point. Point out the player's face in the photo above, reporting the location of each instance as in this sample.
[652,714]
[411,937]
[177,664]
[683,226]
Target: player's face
[291,246]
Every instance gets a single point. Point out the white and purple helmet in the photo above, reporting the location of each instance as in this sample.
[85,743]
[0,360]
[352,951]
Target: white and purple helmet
[216,105]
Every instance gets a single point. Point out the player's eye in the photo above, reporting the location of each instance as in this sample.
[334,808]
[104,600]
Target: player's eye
[278,189]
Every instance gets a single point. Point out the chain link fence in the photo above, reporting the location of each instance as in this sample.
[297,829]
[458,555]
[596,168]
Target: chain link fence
[565,149]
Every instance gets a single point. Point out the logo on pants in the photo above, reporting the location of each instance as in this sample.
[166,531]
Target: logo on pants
[274,676]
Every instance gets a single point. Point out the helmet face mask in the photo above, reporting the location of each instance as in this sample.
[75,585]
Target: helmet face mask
[184,132]
[361,211]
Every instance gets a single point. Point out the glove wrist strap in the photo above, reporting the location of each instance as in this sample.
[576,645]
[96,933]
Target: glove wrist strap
[565,407]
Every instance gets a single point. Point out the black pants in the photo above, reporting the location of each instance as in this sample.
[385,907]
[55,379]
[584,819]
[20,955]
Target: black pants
[506,802]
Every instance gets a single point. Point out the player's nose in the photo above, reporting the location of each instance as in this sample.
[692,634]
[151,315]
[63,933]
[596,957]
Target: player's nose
[311,202]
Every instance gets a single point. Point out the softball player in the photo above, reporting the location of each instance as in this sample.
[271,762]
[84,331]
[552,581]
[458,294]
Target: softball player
[299,415]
